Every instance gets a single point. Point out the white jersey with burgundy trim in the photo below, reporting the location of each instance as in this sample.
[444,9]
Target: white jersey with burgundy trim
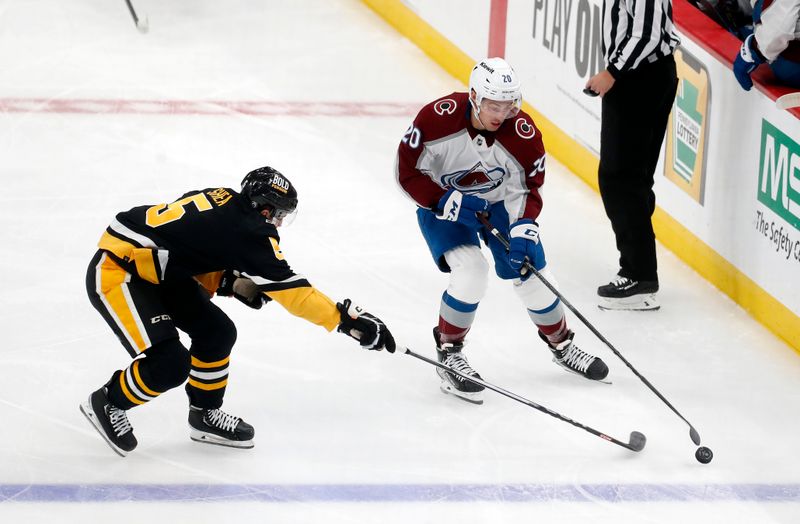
[442,150]
[777,28]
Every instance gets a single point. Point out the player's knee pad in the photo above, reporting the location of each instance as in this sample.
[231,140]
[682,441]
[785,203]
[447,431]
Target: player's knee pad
[469,274]
[533,293]
[166,364]
[213,336]
[222,335]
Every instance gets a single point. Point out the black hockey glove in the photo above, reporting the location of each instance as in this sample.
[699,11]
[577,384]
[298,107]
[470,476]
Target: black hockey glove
[369,330]
[242,289]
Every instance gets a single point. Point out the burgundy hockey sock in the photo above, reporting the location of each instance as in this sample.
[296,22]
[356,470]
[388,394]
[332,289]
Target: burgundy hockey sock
[555,333]
[450,333]
[455,318]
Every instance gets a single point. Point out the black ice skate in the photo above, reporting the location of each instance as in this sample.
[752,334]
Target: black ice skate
[572,358]
[214,426]
[627,294]
[110,421]
[450,355]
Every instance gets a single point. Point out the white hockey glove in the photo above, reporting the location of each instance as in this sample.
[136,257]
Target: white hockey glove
[369,330]
[242,289]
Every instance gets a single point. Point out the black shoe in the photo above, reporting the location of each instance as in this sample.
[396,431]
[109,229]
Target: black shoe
[572,358]
[624,293]
[214,426]
[110,421]
[450,355]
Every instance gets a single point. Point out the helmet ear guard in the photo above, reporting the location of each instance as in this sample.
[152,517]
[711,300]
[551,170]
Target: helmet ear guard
[494,79]
[266,189]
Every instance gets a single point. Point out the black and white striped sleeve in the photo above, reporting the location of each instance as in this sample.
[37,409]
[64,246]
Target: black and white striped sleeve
[637,31]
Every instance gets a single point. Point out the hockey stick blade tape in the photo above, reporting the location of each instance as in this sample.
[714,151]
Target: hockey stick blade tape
[788,101]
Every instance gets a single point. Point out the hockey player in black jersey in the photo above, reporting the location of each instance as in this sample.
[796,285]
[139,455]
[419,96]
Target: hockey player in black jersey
[154,274]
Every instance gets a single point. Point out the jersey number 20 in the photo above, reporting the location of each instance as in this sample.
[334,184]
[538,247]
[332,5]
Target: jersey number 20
[412,137]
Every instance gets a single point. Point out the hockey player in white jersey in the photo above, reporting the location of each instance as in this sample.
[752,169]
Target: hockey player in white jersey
[775,39]
[477,152]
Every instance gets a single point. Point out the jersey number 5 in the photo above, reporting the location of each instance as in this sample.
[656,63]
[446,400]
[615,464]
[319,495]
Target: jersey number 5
[161,214]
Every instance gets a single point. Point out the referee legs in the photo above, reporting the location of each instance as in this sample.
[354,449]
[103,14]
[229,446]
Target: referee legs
[635,115]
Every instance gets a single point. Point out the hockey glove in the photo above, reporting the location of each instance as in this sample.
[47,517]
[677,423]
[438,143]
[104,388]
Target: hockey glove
[242,289]
[369,330]
[525,245]
[746,62]
[459,207]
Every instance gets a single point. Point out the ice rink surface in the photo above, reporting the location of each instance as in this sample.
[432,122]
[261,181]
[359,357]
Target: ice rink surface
[96,118]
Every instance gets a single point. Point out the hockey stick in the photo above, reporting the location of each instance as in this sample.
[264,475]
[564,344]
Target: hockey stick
[693,434]
[141,26]
[636,442]
[788,101]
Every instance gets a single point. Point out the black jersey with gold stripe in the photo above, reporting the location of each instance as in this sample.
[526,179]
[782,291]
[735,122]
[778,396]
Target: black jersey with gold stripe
[201,232]
[208,231]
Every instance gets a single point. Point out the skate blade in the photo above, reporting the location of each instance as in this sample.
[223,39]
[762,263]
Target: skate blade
[88,412]
[646,302]
[208,438]
[472,398]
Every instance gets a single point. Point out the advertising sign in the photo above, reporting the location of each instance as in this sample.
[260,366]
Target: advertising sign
[685,160]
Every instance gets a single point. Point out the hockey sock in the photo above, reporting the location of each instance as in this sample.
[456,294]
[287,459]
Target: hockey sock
[126,389]
[551,322]
[455,318]
[207,381]
[161,368]
[555,333]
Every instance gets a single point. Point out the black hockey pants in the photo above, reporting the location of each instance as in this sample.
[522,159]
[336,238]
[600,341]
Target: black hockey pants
[146,318]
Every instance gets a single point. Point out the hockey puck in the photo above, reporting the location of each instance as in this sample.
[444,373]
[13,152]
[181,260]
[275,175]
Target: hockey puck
[703,455]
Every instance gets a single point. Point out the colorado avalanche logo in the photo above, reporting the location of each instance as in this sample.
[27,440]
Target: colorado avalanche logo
[445,107]
[524,129]
[474,180]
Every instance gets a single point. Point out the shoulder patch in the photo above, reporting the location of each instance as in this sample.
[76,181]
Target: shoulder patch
[446,106]
[524,129]
[276,248]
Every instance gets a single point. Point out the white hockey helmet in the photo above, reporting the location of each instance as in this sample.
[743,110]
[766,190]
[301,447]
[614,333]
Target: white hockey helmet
[494,79]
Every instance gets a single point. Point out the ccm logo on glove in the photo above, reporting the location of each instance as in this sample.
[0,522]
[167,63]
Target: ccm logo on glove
[524,245]
[461,208]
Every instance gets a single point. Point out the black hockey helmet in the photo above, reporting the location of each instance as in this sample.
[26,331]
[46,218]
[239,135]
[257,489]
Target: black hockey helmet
[266,188]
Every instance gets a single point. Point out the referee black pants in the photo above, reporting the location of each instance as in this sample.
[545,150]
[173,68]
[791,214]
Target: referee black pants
[635,115]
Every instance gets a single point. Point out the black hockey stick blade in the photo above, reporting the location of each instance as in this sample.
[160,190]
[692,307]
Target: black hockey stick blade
[637,440]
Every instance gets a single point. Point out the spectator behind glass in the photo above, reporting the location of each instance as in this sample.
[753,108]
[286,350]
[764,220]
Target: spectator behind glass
[736,16]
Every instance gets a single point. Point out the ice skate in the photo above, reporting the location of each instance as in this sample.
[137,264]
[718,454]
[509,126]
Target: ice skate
[626,294]
[214,426]
[110,421]
[572,358]
[450,354]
